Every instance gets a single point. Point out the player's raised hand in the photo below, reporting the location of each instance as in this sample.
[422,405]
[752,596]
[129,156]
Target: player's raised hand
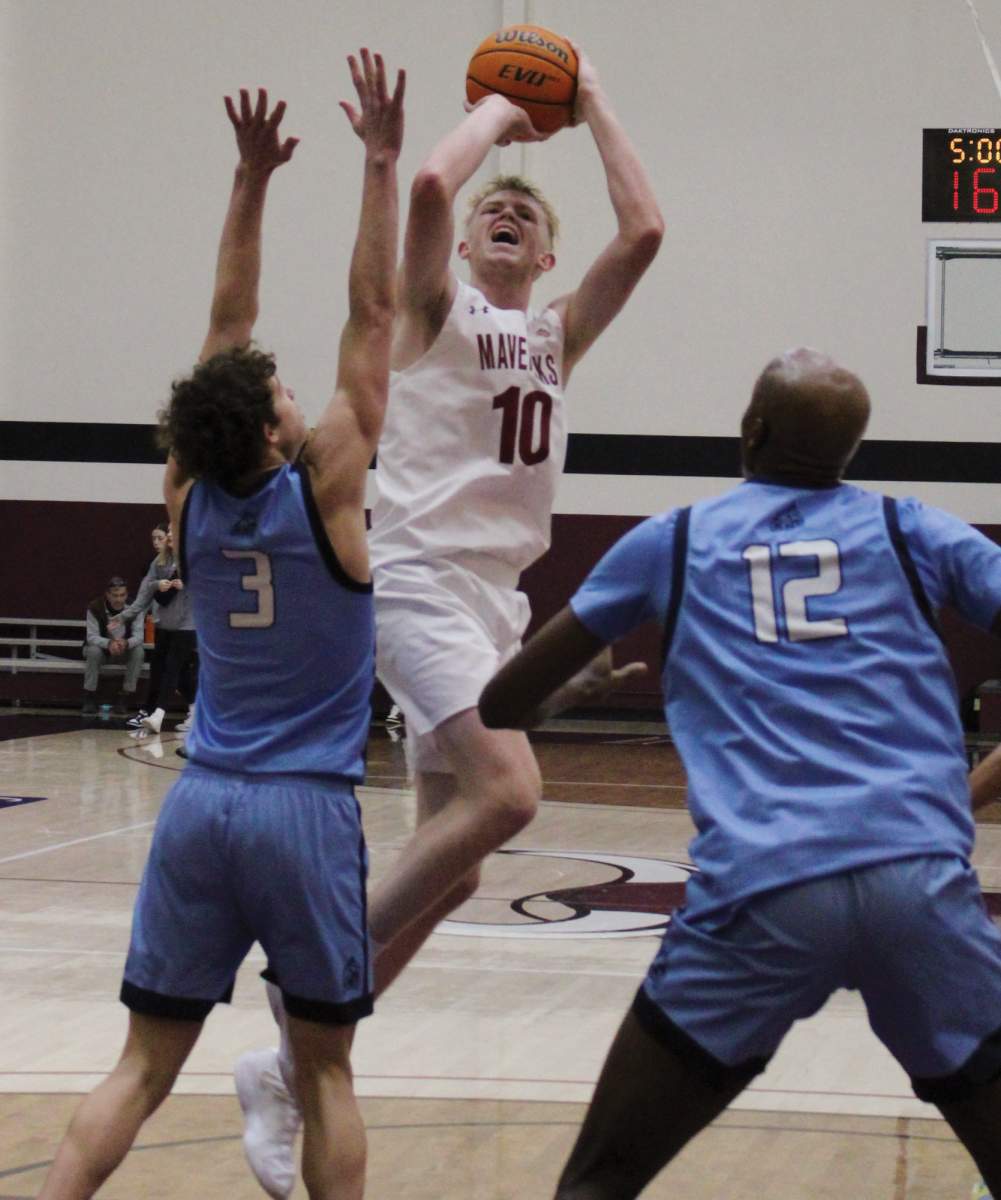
[520,127]
[380,122]
[260,148]
[588,85]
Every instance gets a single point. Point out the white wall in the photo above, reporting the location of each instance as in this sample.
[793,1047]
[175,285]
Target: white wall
[784,140]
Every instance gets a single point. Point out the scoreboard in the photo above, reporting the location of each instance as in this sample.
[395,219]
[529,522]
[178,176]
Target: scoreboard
[961,175]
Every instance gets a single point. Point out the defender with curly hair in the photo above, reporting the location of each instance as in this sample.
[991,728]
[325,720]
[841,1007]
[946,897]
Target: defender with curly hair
[214,424]
[260,838]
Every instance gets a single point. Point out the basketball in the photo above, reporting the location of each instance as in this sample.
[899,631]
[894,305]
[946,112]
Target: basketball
[533,68]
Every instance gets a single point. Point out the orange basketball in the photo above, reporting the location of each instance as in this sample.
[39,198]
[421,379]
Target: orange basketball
[533,68]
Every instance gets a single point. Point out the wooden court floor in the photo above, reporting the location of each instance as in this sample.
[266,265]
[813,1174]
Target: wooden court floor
[475,1071]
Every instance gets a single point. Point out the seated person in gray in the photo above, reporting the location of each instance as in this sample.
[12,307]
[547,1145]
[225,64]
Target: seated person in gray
[112,639]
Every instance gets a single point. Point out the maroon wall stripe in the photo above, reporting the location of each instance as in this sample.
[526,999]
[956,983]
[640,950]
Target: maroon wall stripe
[55,557]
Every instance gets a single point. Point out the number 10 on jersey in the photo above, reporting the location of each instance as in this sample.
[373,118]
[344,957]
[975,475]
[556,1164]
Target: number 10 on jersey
[521,432]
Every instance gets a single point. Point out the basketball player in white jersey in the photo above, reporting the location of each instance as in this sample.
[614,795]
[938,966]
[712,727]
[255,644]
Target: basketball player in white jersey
[468,464]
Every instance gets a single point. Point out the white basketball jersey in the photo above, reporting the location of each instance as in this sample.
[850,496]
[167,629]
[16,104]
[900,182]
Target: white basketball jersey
[474,442]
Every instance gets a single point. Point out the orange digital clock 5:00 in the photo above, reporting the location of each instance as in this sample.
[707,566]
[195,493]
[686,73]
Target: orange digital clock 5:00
[961,175]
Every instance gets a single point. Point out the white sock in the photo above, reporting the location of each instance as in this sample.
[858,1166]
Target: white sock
[286,1063]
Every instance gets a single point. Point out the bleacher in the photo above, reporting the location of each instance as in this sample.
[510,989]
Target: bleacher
[31,644]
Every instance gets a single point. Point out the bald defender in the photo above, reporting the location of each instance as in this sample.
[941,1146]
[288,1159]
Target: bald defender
[811,699]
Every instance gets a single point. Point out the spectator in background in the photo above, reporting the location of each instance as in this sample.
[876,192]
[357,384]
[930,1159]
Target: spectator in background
[112,638]
[154,589]
[159,537]
[173,665]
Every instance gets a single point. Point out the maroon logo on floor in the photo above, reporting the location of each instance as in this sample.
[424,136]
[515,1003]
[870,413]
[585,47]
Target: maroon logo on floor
[637,903]
[13,802]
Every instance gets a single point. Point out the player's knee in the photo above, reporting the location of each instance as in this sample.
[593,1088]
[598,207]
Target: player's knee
[150,1079]
[465,889]
[514,800]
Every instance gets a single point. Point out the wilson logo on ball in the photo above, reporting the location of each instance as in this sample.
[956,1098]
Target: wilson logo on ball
[531,37]
[531,67]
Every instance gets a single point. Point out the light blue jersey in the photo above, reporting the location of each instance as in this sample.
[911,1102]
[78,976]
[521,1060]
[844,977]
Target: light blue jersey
[806,685]
[286,638]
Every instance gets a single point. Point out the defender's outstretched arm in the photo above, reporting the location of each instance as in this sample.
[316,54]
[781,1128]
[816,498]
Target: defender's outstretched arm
[607,285]
[238,269]
[562,666]
[340,449]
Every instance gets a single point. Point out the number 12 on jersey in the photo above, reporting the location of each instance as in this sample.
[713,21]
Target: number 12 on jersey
[795,591]
[513,407]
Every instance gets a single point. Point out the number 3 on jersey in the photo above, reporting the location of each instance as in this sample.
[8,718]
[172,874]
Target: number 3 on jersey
[513,407]
[795,591]
[259,582]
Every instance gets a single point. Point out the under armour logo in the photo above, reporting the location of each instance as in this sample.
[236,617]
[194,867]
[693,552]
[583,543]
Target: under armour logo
[472,310]
[352,975]
[787,518]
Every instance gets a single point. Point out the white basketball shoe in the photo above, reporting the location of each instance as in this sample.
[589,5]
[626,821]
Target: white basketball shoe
[271,1121]
[153,721]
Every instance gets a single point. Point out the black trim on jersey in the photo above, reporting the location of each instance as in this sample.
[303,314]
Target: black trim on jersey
[678,561]
[182,537]
[171,1008]
[696,1059]
[907,563]
[327,552]
[795,481]
[261,481]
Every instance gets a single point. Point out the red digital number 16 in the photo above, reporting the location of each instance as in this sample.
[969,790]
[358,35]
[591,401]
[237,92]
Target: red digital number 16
[509,402]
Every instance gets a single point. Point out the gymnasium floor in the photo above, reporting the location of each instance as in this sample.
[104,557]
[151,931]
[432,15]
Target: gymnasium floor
[475,1070]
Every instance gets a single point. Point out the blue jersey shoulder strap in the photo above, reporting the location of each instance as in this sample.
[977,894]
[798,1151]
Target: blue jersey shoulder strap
[907,563]
[678,561]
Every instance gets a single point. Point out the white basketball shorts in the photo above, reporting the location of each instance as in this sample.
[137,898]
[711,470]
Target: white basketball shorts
[442,632]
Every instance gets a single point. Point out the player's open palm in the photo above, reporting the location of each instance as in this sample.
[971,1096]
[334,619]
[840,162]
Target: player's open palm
[380,122]
[261,150]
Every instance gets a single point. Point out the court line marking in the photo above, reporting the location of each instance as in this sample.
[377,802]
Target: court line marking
[638,974]
[76,841]
[51,879]
[679,787]
[761,1091]
[715,1128]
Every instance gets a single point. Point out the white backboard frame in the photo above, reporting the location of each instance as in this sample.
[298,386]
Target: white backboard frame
[958,361]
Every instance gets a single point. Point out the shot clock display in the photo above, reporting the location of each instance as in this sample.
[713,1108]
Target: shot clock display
[961,176]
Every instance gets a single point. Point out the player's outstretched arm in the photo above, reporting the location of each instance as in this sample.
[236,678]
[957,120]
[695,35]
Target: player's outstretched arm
[562,666]
[238,268]
[427,283]
[607,285]
[340,449]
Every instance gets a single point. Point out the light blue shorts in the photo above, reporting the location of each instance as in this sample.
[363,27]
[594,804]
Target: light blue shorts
[235,859]
[913,936]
